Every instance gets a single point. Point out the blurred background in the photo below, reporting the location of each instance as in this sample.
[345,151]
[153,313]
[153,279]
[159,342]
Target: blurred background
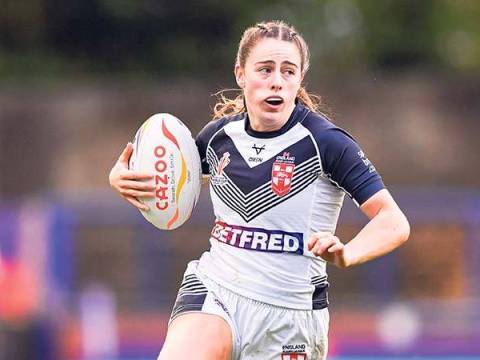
[84,276]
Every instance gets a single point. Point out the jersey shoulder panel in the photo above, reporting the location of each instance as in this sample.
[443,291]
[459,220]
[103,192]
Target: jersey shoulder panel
[343,161]
[208,132]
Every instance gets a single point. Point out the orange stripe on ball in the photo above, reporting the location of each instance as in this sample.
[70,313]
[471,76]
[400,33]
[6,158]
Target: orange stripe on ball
[169,135]
[173,219]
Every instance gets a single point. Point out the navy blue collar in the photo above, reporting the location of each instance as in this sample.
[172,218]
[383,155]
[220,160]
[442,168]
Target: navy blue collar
[297,115]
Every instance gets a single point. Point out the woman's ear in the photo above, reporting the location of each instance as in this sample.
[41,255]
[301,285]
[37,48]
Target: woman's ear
[239,76]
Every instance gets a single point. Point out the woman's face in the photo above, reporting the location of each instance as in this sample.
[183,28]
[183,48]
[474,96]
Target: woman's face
[270,81]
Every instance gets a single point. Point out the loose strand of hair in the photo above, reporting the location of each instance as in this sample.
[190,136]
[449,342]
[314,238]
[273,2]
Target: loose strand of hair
[226,106]
[315,103]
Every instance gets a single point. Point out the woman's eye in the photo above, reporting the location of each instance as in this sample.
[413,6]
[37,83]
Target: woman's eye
[265,70]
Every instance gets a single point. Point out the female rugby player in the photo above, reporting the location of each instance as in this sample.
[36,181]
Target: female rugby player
[278,171]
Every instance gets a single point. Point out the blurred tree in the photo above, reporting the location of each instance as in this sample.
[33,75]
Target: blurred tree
[22,24]
[398,33]
[456,30]
[199,37]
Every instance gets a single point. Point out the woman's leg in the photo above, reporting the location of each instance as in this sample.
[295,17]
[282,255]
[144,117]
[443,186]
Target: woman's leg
[197,336]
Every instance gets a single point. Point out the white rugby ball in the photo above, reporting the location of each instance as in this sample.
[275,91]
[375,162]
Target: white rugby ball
[164,146]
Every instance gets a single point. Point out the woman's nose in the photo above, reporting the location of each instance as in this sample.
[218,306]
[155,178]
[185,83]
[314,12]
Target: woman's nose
[276,81]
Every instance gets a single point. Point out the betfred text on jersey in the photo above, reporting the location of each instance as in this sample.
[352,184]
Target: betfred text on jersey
[258,239]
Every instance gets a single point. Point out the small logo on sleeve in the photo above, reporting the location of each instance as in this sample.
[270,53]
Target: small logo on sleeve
[367,162]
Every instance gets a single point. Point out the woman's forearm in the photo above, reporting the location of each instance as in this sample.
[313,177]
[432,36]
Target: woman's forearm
[387,230]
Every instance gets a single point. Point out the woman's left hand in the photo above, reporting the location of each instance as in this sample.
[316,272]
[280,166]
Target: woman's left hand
[329,247]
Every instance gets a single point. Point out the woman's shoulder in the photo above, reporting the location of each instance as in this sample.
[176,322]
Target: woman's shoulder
[213,126]
[221,122]
[323,129]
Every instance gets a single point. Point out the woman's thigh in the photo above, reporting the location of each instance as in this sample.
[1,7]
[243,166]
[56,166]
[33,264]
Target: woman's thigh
[273,333]
[197,336]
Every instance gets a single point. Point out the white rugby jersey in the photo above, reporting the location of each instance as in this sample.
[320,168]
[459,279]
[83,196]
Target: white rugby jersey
[270,191]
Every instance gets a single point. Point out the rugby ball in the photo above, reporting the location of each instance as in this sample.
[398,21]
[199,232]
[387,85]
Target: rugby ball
[164,147]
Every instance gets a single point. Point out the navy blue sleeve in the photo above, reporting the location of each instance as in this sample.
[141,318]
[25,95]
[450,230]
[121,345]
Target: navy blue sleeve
[346,165]
[343,161]
[204,136]
[203,139]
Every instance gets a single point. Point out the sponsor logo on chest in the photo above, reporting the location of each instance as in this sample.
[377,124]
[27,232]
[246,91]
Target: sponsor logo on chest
[256,159]
[258,148]
[258,239]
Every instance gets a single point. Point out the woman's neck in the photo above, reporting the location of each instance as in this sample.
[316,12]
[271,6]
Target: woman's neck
[260,124]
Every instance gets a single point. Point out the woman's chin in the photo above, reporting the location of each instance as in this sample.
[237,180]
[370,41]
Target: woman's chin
[271,121]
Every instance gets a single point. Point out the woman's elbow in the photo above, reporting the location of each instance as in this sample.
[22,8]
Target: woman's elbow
[403,228]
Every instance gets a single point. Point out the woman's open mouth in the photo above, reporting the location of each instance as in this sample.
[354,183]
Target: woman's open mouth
[274,101]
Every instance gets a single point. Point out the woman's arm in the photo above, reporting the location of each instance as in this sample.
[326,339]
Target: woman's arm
[387,229]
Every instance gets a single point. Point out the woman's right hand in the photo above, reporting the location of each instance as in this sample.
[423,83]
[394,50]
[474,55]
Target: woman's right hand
[130,184]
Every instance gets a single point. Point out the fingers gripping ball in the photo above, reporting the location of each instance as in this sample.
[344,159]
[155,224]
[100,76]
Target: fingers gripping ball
[164,147]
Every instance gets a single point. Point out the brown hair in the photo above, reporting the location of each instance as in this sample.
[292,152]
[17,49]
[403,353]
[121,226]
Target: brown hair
[273,29]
